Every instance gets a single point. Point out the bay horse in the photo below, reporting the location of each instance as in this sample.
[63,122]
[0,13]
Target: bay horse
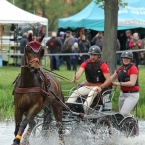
[32,89]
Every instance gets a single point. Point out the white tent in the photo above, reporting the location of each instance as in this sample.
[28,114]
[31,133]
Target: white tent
[9,13]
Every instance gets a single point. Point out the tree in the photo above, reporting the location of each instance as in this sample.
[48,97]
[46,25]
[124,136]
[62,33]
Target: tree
[110,30]
[52,9]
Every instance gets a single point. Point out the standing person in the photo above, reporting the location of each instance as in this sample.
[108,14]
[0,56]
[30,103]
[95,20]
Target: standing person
[61,36]
[75,38]
[75,57]
[41,31]
[68,43]
[97,76]
[127,76]
[143,47]
[135,44]
[129,37]
[98,39]
[117,54]
[23,43]
[54,47]
[84,46]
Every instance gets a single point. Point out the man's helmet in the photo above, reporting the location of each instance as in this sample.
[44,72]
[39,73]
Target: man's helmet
[94,50]
[127,54]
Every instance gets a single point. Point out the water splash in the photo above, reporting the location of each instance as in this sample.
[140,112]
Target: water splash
[81,135]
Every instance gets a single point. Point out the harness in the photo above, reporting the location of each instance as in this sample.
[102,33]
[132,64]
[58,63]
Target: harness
[44,78]
[123,76]
[93,72]
[44,85]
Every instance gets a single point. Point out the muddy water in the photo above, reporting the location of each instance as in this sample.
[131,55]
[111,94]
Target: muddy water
[7,129]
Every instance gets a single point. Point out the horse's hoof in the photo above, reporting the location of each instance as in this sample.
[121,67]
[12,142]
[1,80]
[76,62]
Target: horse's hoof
[16,141]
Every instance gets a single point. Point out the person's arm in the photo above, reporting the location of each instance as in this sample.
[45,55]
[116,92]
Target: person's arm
[114,77]
[78,74]
[139,44]
[94,40]
[133,78]
[131,44]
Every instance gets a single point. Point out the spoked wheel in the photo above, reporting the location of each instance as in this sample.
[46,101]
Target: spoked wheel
[129,127]
[103,127]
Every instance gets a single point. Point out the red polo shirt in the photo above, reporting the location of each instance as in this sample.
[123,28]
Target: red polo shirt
[132,70]
[104,67]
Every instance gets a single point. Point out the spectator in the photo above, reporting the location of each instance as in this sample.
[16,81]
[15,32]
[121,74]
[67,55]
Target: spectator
[23,43]
[13,27]
[135,44]
[98,39]
[41,30]
[75,38]
[54,47]
[61,36]
[84,46]
[68,43]
[75,49]
[143,47]
[117,54]
[129,37]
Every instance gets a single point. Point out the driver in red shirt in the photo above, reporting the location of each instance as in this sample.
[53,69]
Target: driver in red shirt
[97,75]
[127,76]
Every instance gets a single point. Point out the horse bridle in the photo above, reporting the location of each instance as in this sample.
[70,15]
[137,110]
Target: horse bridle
[28,62]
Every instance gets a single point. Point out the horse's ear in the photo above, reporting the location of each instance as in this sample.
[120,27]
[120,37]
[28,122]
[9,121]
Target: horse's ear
[40,39]
[30,37]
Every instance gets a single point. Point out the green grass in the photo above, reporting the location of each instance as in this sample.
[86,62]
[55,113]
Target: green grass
[8,75]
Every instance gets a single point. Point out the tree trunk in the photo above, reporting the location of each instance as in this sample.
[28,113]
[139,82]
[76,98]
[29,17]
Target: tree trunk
[110,33]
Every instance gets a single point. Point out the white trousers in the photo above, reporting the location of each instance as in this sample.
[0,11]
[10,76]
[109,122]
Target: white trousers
[126,102]
[83,91]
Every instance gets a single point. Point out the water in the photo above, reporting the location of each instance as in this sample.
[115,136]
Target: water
[79,137]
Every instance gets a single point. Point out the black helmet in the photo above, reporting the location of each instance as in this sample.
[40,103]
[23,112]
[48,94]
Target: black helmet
[94,50]
[127,54]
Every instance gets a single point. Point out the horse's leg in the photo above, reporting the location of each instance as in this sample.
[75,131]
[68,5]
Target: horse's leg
[30,115]
[57,110]
[47,117]
[18,120]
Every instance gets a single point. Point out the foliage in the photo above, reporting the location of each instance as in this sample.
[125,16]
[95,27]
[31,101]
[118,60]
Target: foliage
[52,9]
[8,74]
[101,3]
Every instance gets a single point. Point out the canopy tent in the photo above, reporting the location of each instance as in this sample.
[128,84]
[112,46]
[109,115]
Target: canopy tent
[92,17]
[9,13]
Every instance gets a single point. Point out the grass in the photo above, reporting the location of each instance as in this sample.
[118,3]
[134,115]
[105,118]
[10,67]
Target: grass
[9,73]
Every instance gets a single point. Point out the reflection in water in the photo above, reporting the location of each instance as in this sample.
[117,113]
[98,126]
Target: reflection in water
[79,138]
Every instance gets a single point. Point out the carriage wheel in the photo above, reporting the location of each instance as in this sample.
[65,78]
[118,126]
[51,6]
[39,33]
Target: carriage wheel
[129,127]
[103,127]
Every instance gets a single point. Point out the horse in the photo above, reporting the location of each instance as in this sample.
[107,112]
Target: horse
[34,89]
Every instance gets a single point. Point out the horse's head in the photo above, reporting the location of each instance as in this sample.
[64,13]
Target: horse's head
[33,53]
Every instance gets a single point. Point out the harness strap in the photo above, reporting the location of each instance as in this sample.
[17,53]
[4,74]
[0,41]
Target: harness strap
[27,90]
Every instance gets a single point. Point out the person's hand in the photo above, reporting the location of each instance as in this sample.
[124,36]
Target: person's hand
[134,44]
[116,83]
[99,89]
[138,44]
[73,80]
[97,35]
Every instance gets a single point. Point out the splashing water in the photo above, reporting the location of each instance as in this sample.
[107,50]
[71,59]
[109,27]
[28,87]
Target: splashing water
[73,136]
[81,135]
